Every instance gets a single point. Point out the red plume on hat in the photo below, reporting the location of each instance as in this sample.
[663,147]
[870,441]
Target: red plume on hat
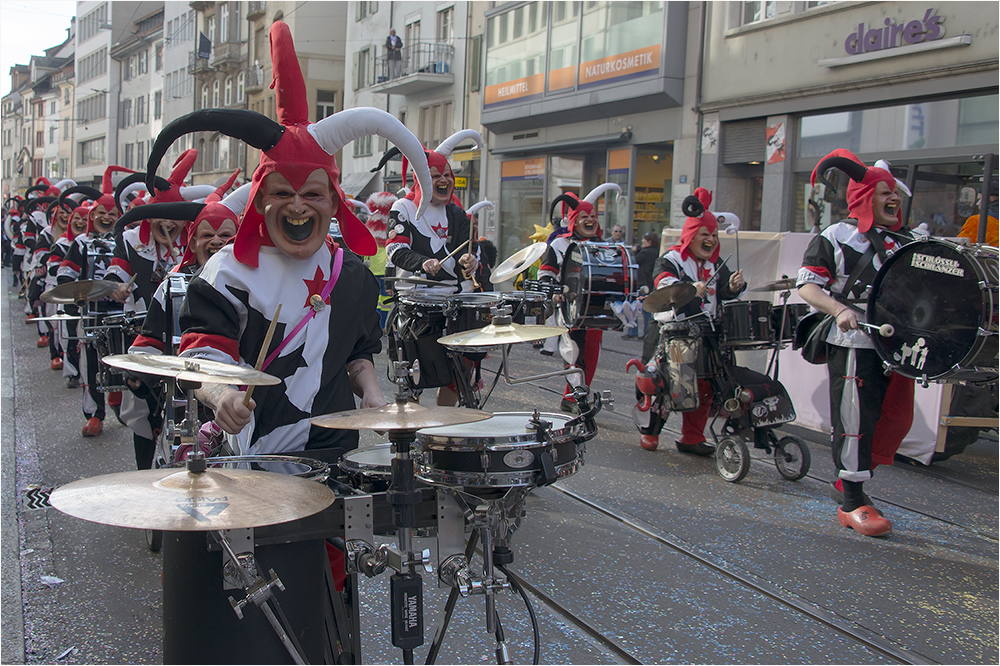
[695,207]
[294,147]
[380,204]
[861,190]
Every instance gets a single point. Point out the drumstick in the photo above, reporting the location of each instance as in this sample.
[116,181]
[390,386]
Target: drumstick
[885,330]
[716,273]
[131,281]
[263,352]
[454,252]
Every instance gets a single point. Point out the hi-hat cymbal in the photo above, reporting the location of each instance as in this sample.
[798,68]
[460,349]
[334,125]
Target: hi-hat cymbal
[664,298]
[517,263]
[58,317]
[415,280]
[179,500]
[81,290]
[494,336]
[399,416]
[777,285]
[190,369]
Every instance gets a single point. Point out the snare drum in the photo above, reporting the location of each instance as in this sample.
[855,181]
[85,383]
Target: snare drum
[369,469]
[793,313]
[526,307]
[941,299]
[415,325]
[595,275]
[113,336]
[747,324]
[501,452]
[469,312]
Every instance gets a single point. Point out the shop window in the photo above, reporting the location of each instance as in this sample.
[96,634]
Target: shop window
[522,203]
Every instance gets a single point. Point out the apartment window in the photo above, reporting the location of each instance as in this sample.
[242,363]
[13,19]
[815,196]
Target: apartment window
[6,137]
[158,58]
[412,34]
[53,134]
[215,94]
[39,139]
[754,12]
[92,66]
[241,83]
[36,169]
[224,22]
[204,95]
[63,167]
[91,23]
[143,62]
[363,146]
[364,9]
[125,114]
[211,31]
[91,153]
[52,108]
[229,90]
[435,123]
[157,105]
[216,153]
[363,65]
[140,110]
[127,68]
[446,25]
[66,94]
[326,104]
[141,154]
[91,108]
[128,155]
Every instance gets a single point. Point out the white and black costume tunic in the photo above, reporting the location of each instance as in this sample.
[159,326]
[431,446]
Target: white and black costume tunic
[225,317]
[410,242]
[148,262]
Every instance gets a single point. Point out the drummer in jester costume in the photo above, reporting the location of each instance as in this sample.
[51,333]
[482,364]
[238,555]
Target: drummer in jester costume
[328,329]
[870,412]
[694,260]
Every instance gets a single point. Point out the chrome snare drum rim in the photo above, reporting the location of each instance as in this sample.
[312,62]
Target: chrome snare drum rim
[369,468]
[501,452]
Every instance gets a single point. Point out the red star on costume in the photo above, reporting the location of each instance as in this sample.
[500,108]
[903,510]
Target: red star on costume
[440,231]
[315,286]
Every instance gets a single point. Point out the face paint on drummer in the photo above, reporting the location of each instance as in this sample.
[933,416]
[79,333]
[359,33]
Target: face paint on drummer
[703,244]
[297,220]
[586,224]
[208,240]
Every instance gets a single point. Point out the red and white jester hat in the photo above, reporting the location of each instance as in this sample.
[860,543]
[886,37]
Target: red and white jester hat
[294,147]
[695,206]
[577,206]
[861,190]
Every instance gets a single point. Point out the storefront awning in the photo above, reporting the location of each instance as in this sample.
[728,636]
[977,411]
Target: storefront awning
[573,145]
[354,183]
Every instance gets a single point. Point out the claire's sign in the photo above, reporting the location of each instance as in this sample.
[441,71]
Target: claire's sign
[891,34]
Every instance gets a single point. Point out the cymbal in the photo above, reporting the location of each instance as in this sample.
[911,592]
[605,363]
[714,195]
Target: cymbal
[517,263]
[190,369]
[493,336]
[664,298]
[58,317]
[778,285]
[81,290]
[396,416]
[416,280]
[179,500]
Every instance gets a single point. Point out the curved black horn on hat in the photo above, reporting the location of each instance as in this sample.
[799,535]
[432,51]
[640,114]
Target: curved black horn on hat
[86,190]
[38,202]
[161,184]
[389,154]
[254,128]
[692,206]
[854,169]
[176,210]
[565,198]
[35,188]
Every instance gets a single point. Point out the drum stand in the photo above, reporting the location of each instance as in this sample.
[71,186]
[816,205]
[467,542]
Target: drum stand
[784,294]
[240,569]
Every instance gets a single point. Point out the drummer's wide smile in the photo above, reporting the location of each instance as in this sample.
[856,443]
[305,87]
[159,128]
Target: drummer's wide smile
[298,229]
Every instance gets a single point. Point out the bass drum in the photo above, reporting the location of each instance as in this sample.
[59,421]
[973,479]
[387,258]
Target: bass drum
[595,275]
[941,299]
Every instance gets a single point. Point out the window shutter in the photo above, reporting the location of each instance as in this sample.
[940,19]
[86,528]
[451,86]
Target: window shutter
[475,64]
[744,141]
[354,73]
[357,12]
[372,58]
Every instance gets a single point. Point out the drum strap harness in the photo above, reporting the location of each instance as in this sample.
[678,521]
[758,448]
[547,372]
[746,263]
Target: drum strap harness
[318,302]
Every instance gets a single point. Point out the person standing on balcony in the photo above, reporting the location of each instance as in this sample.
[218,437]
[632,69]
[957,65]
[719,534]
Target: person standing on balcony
[394,55]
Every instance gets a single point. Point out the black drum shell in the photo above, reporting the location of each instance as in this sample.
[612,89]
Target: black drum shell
[793,313]
[941,300]
[595,275]
[747,324]
[526,307]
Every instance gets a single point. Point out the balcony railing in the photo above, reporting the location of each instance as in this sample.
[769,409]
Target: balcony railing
[226,53]
[255,79]
[197,65]
[420,66]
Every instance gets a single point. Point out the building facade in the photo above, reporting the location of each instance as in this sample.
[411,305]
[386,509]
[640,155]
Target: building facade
[912,83]
[180,33]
